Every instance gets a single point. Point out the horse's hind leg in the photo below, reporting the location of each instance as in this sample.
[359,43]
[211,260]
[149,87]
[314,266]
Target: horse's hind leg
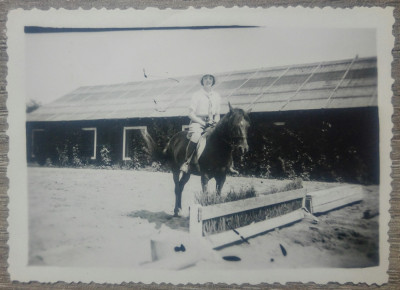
[179,185]
[204,183]
[220,181]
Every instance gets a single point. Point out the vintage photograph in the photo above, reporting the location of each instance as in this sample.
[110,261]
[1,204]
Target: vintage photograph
[198,148]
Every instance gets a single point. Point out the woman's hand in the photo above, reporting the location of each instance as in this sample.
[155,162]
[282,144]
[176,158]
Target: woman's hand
[210,124]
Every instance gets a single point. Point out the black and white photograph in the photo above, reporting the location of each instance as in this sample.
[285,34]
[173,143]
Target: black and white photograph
[200,146]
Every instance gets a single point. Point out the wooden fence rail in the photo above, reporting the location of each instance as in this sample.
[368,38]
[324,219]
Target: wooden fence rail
[328,199]
[199,214]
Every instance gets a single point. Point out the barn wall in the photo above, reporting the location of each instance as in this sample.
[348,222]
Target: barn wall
[64,136]
[331,145]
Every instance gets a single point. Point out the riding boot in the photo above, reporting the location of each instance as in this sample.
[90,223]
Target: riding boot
[190,149]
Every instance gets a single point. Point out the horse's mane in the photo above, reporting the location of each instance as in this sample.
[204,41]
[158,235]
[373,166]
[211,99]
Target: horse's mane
[228,126]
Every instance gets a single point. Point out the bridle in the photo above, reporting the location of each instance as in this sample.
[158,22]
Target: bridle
[232,142]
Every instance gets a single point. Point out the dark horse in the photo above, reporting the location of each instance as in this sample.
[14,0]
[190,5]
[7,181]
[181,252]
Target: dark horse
[229,134]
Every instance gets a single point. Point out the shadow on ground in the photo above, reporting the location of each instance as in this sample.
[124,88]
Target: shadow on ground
[162,218]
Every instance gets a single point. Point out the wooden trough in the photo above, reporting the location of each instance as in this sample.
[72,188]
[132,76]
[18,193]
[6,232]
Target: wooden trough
[315,202]
[200,214]
[328,199]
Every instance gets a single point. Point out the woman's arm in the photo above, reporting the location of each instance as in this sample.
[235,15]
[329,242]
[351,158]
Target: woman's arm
[192,116]
[192,111]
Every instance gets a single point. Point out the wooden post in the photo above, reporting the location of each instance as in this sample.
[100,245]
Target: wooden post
[196,221]
[303,200]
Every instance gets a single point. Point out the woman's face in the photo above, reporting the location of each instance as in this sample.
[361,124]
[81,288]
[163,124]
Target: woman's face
[208,81]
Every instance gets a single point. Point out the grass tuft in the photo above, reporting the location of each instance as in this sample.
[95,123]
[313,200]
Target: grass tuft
[242,194]
[211,199]
[292,185]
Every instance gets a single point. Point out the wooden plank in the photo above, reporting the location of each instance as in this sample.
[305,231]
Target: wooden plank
[332,190]
[228,237]
[334,193]
[320,208]
[223,209]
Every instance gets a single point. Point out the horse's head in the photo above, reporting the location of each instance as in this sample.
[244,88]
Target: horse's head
[238,124]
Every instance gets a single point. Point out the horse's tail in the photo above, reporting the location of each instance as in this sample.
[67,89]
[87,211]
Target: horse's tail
[156,153]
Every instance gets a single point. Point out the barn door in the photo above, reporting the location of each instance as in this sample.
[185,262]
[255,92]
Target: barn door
[89,140]
[134,146]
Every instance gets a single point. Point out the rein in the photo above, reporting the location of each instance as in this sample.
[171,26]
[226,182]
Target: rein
[231,143]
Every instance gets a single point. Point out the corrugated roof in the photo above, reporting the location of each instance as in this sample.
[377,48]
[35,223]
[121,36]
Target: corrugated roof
[339,84]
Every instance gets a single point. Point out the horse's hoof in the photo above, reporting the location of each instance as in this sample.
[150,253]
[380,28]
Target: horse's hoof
[178,213]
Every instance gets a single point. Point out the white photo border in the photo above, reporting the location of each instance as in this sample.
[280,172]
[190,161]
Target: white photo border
[379,18]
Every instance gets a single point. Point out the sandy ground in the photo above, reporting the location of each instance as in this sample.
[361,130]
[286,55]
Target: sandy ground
[88,217]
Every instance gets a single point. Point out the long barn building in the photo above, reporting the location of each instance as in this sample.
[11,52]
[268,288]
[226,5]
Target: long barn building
[317,121]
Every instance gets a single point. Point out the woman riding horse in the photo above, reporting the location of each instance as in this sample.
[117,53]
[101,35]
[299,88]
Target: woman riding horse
[204,112]
[228,134]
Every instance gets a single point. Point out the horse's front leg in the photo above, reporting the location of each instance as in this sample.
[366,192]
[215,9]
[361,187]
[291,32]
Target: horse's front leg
[220,181]
[179,185]
[204,183]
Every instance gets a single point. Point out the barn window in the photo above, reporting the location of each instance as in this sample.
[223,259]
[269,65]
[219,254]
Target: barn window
[133,143]
[185,127]
[38,137]
[89,142]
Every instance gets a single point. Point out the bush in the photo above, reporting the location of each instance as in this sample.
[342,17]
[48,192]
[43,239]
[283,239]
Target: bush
[62,155]
[76,159]
[105,155]
[156,166]
[48,162]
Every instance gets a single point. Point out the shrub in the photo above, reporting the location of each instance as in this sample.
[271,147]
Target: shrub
[62,155]
[48,162]
[76,159]
[156,166]
[136,160]
[105,155]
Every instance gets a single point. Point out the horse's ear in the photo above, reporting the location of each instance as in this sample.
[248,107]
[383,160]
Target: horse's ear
[230,107]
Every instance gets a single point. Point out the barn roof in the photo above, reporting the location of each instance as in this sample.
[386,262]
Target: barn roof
[327,85]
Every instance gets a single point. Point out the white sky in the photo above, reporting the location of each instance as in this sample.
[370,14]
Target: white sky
[57,63]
